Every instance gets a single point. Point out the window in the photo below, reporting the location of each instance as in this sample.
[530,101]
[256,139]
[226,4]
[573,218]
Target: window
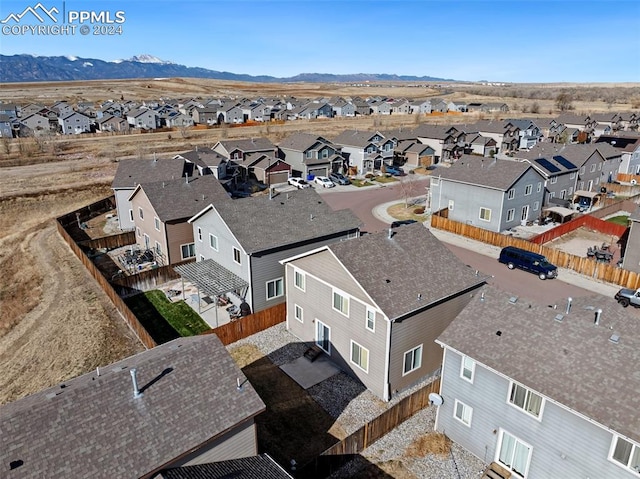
[528,189]
[485,214]
[536,205]
[510,214]
[450,206]
[131,215]
[511,194]
[199,234]
[213,242]
[188,250]
[572,175]
[412,360]
[341,303]
[297,312]
[309,153]
[138,231]
[236,255]
[626,453]
[275,288]
[298,279]
[582,170]
[593,168]
[371,320]
[570,190]
[514,454]
[525,399]
[539,189]
[467,368]
[158,249]
[325,153]
[462,413]
[360,356]
[141,213]
[553,180]
[156,223]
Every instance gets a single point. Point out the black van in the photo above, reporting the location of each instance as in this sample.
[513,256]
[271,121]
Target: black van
[534,263]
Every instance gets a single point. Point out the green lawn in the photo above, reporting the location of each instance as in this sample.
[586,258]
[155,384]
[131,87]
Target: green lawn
[163,319]
[621,220]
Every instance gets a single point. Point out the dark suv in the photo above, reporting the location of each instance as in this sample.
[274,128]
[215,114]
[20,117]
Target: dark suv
[534,263]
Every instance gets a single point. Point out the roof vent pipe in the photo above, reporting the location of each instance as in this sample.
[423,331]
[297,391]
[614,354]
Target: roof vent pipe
[134,380]
[390,233]
[569,299]
[597,318]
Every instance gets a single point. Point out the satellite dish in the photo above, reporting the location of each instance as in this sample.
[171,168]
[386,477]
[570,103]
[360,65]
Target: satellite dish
[435,399]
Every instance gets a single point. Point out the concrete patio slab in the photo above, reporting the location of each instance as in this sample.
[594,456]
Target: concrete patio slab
[307,373]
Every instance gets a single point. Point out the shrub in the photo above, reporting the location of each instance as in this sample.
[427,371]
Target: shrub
[419,211]
[412,172]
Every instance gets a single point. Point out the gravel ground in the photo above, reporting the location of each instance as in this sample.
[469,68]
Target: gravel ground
[352,406]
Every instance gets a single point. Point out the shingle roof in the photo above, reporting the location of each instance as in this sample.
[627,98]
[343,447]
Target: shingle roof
[130,173]
[203,158]
[440,132]
[178,199]
[572,361]
[248,145]
[92,426]
[407,272]
[256,467]
[260,223]
[354,138]
[492,173]
[301,141]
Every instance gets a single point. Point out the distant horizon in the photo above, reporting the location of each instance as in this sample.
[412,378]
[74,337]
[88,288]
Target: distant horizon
[551,41]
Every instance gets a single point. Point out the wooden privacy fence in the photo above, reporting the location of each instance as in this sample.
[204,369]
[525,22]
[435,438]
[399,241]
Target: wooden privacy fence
[588,221]
[629,205]
[254,323]
[582,265]
[110,242]
[339,453]
[146,280]
[122,308]
[627,178]
[87,212]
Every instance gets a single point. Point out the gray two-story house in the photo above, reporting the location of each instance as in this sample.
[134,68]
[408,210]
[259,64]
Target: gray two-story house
[544,391]
[310,155]
[488,193]
[365,151]
[248,237]
[376,304]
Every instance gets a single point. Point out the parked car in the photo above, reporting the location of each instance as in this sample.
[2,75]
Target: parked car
[398,223]
[534,263]
[394,170]
[339,179]
[323,181]
[628,297]
[298,182]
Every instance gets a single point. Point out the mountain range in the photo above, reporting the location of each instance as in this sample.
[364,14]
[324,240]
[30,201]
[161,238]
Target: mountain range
[30,68]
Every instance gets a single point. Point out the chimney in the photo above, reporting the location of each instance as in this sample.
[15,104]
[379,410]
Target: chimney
[597,317]
[136,392]
[569,299]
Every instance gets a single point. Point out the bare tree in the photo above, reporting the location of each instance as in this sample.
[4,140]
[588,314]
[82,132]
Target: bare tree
[535,107]
[564,101]
[408,190]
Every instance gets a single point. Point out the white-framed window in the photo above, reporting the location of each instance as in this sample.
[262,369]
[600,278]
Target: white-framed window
[572,175]
[309,153]
[513,453]
[528,189]
[593,168]
[435,181]
[467,368]
[340,302]
[563,193]
[236,255]
[188,250]
[199,234]
[582,170]
[625,453]
[525,399]
[511,212]
[156,223]
[462,413]
[360,356]
[140,213]
[131,215]
[539,189]
[451,205]
[570,190]
[536,205]
[325,153]
[485,214]
[599,166]
[552,194]
[511,194]
[213,242]
[412,360]
[138,232]
[371,320]
[299,279]
[298,313]
[275,288]
[158,249]
[553,180]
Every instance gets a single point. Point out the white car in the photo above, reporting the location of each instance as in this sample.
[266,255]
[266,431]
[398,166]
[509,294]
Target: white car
[324,182]
[298,182]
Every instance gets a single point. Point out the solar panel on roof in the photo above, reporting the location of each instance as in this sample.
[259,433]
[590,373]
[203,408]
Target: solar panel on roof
[566,163]
[547,165]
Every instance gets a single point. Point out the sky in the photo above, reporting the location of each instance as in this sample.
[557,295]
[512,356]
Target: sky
[506,40]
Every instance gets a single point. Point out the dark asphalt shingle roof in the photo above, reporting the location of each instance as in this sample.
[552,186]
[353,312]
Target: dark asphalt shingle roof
[396,271]
[354,138]
[131,173]
[248,145]
[301,141]
[260,223]
[204,158]
[572,361]
[256,467]
[92,426]
[183,198]
[488,172]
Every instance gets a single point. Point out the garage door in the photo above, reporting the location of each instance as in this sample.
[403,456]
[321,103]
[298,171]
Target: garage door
[279,177]
[318,171]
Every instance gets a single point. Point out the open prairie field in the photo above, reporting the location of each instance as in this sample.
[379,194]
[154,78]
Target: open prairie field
[55,323]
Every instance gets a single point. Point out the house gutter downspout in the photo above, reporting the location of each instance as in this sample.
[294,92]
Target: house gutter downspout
[387,383]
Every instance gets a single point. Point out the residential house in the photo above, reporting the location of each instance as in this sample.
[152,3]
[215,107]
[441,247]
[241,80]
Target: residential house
[362,107]
[207,162]
[112,123]
[74,123]
[551,131]
[476,144]
[132,172]
[631,253]
[342,108]
[612,120]
[248,237]
[310,155]
[29,109]
[176,119]
[488,193]
[446,141]
[544,391]
[37,124]
[560,176]
[161,211]
[629,148]
[400,107]
[10,109]
[582,123]
[376,304]
[422,107]
[413,153]
[439,105]
[244,153]
[267,169]
[62,108]
[206,116]
[457,106]
[177,404]
[505,133]
[528,131]
[364,151]
[6,128]
[143,118]
[629,121]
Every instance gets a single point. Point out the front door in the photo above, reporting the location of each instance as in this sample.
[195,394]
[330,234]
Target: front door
[323,336]
[514,454]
